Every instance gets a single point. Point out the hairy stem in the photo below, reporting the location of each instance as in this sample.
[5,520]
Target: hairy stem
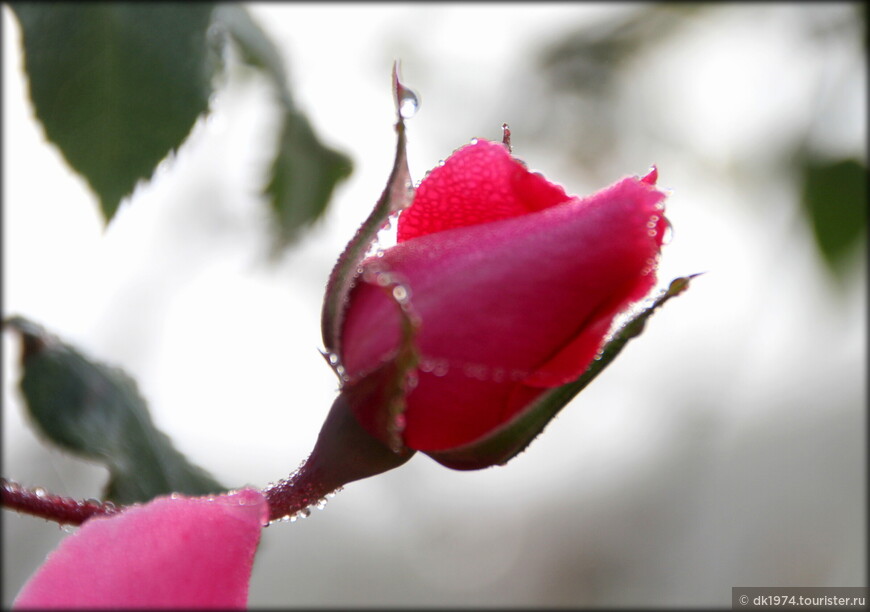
[38,502]
[302,489]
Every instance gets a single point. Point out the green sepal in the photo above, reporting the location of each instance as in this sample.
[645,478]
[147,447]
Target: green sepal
[397,195]
[502,444]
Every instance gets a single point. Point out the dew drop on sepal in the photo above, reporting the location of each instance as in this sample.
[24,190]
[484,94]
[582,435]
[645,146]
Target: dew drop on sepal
[409,102]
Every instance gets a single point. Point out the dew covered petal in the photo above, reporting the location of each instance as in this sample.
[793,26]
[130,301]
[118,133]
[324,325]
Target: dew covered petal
[174,552]
[533,294]
[479,183]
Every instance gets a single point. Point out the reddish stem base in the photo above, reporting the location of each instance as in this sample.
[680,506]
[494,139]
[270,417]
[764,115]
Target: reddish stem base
[38,502]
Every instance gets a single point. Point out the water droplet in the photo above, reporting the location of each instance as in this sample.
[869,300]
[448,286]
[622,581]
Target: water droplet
[401,422]
[333,359]
[400,293]
[40,492]
[669,232]
[441,368]
[408,102]
[67,528]
[474,141]
[476,371]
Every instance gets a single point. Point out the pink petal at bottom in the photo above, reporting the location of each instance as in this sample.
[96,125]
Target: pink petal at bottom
[174,552]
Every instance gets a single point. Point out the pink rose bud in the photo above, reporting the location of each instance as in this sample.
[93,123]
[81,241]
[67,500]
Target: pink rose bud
[513,286]
[174,552]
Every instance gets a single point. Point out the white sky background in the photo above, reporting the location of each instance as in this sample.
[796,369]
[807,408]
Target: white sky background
[725,447]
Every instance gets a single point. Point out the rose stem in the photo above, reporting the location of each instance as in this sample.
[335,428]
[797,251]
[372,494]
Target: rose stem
[50,506]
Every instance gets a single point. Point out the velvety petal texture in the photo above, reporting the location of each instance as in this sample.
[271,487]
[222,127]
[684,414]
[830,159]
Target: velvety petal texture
[174,552]
[478,184]
[515,285]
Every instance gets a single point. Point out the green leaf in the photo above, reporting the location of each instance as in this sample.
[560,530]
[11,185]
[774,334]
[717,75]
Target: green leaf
[501,445]
[256,48]
[303,177]
[835,202]
[95,411]
[305,172]
[117,86]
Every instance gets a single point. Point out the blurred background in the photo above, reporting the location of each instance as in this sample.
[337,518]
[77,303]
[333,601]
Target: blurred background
[725,447]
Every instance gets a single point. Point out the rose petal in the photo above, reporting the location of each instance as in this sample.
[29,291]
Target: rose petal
[174,552]
[529,296]
[479,183]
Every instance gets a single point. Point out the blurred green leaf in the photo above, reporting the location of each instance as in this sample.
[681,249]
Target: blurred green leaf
[95,411]
[254,45]
[583,72]
[117,86]
[506,442]
[835,202]
[303,177]
[588,58]
[305,171]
